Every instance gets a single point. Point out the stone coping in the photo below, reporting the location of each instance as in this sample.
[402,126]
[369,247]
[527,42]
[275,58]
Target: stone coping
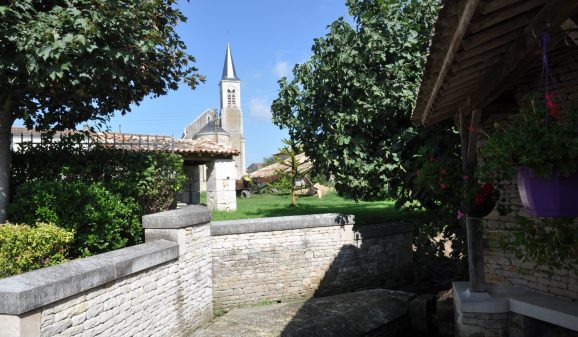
[25,292]
[245,226]
[502,298]
[179,218]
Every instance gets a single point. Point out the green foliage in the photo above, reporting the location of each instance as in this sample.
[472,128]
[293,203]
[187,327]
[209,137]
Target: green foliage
[65,62]
[24,248]
[535,139]
[551,242]
[349,105]
[290,170]
[151,178]
[102,220]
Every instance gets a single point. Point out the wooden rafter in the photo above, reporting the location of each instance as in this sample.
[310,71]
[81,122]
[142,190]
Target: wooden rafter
[520,54]
[458,34]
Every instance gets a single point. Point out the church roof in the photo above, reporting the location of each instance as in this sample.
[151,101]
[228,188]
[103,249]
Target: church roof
[212,127]
[229,67]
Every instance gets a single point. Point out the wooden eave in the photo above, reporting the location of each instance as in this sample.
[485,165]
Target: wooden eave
[482,48]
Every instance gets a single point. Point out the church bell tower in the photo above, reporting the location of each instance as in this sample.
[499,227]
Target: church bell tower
[231,114]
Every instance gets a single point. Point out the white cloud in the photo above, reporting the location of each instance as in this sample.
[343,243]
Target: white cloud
[281,69]
[259,107]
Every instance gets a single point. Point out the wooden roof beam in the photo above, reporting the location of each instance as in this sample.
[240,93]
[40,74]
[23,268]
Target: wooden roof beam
[494,5]
[504,14]
[469,8]
[520,53]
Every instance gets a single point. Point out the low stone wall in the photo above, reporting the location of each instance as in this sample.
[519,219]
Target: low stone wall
[302,256]
[159,288]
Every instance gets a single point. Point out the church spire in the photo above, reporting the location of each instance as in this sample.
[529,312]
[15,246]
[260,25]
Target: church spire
[229,67]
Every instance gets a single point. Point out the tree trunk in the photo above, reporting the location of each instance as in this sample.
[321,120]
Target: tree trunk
[6,121]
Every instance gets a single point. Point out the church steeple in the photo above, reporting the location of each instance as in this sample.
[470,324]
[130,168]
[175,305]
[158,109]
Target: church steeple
[229,67]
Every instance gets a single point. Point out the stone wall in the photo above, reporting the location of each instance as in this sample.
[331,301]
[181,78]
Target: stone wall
[160,288]
[169,285]
[302,256]
[503,267]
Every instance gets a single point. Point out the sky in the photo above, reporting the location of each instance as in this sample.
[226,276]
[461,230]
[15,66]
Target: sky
[267,38]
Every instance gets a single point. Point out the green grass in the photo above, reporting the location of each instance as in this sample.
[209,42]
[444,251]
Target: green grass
[268,205]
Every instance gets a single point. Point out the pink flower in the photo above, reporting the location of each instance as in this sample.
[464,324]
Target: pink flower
[443,186]
[460,214]
[466,178]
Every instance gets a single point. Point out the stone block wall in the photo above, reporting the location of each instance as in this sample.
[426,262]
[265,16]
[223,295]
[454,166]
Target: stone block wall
[221,177]
[503,267]
[160,288]
[293,257]
[477,324]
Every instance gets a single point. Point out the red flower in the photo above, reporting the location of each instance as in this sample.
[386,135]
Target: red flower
[552,103]
[488,189]
[443,186]
[466,178]
[479,199]
[472,129]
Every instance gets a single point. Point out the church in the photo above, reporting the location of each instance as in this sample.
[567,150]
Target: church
[226,125]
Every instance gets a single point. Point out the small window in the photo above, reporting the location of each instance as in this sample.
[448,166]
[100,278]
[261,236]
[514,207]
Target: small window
[230,97]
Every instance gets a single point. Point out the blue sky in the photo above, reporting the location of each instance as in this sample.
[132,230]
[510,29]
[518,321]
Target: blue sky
[267,37]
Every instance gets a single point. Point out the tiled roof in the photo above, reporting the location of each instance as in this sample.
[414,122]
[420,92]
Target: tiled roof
[140,142]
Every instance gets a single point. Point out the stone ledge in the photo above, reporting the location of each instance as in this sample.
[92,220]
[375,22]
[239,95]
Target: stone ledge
[179,218]
[22,293]
[281,223]
[502,298]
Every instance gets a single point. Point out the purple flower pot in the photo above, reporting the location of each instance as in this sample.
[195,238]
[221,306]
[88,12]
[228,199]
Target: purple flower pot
[543,197]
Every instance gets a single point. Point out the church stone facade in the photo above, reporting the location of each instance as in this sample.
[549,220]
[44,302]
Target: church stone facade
[225,127]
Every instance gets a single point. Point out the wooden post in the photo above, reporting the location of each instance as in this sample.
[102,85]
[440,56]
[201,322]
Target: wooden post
[469,145]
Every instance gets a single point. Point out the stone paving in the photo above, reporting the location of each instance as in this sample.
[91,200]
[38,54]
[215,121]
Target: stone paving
[377,312]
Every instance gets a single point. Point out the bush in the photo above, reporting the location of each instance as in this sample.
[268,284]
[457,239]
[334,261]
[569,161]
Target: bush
[149,177]
[102,220]
[24,248]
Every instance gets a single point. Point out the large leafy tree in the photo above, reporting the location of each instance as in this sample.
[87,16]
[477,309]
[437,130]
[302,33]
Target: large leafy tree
[63,62]
[350,104]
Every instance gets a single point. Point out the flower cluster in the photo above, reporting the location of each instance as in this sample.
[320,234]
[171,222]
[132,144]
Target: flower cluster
[484,194]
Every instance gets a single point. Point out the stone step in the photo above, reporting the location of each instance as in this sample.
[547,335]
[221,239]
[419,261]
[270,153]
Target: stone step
[377,312]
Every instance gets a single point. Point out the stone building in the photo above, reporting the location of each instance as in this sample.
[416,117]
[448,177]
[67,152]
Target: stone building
[224,127]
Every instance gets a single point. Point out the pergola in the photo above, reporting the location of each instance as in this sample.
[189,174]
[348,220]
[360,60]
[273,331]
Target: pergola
[484,55]
[218,158]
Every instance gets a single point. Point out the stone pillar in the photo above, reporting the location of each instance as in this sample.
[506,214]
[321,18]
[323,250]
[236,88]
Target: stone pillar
[221,194]
[190,228]
[196,185]
[25,325]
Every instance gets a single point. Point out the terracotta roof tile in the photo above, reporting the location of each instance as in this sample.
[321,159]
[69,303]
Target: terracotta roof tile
[141,142]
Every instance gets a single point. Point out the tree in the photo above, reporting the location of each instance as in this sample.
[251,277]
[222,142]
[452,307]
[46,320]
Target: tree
[64,62]
[350,104]
[288,160]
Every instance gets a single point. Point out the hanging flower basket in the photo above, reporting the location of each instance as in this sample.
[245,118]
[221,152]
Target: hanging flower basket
[556,196]
[484,201]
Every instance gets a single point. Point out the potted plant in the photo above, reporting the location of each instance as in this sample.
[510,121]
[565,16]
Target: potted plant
[540,146]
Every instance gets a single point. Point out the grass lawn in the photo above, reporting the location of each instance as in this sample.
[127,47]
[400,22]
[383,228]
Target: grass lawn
[268,205]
